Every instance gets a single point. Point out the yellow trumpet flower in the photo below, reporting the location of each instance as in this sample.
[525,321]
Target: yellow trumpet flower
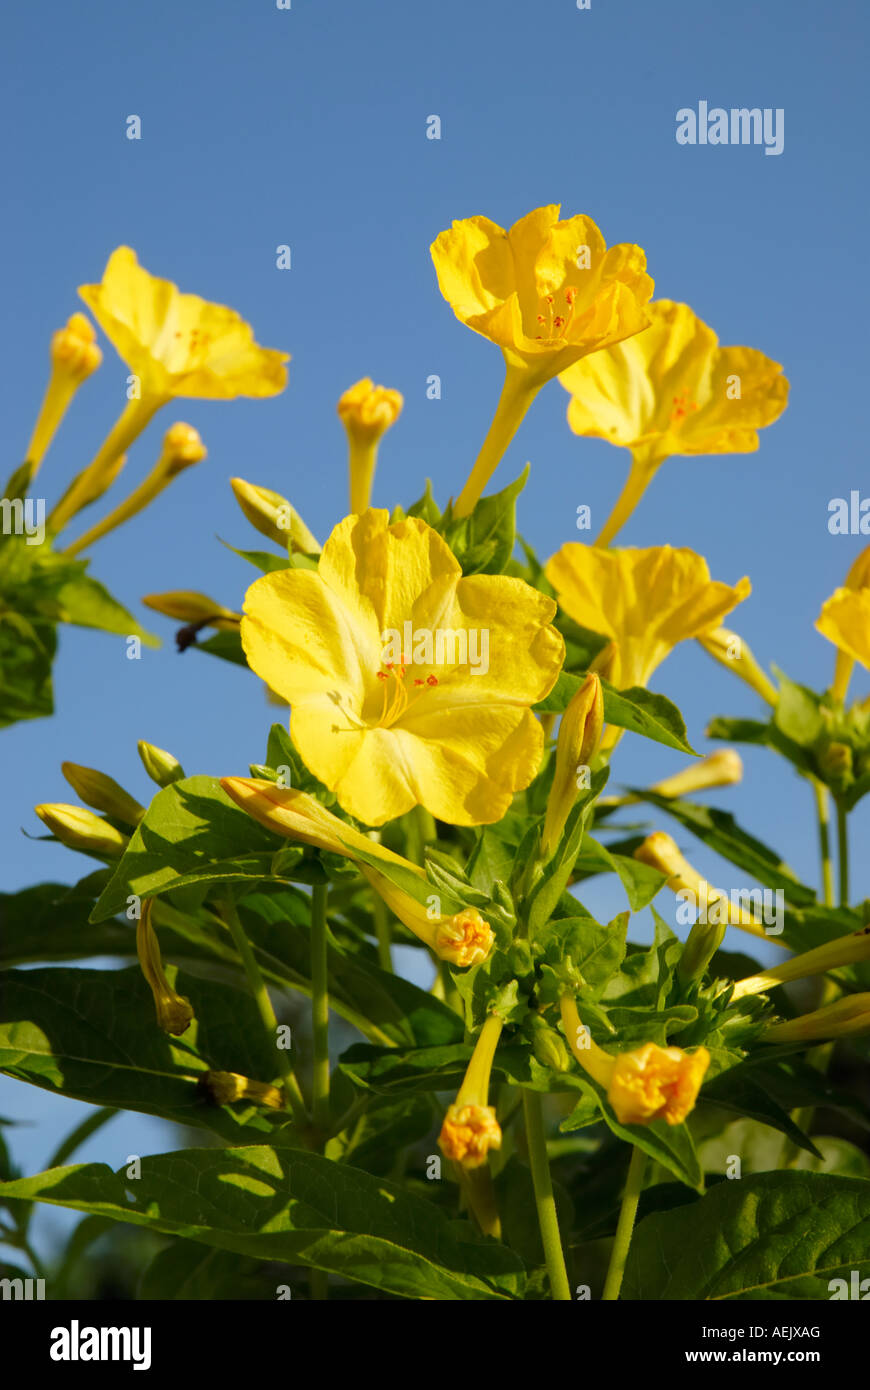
[470,1126]
[668,390]
[182,447]
[463,938]
[646,1084]
[367,412]
[848,1017]
[579,736]
[844,950]
[174,1012]
[845,621]
[547,292]
[409,684]
[271,515]
[661,852]
[645,601]
[175,345]
[732,652]
[74,357]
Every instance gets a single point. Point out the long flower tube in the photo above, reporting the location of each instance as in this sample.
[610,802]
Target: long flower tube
[74,357]
[732,652]
[471,1129]
[367,412]
[463,938]
[646,1084]
[848,1017]
[845,950]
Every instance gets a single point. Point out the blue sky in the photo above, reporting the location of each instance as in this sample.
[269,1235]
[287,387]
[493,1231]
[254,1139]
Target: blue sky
[307,127]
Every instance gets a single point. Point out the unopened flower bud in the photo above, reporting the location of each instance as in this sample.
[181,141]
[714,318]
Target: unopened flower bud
[103,793]
[733,653]
[190,606]
[549,1047]
[835,764]
[272,515]
[579,736]
[366,411]
[845,1018]
[74,348]
[161,767]
[720,769]
[182,446]
[78,828]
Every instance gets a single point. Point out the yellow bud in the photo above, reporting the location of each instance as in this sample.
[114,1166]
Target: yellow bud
[161,767]
[465,938]
[661,852]
[182,446]
[468,1134]
[103,793]
[734,654]
[272,515]
[579,736]
[859,572]
[844,950]
[190,606]
[366,410]
[74,348]
[224,1087]
[720,769]
[845,1018]
[80,829]
[174,1012]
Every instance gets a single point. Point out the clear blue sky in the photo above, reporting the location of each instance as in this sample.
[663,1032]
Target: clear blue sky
[262,127]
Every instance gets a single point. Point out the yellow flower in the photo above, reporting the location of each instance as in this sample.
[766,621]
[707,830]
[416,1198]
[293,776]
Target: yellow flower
[661,852]
[182,447]
[174,1012]
[175,345]
[547,292]
[579,736]
[721,769]
[845,1018]
[732,652]
[463,938]
[845,621]
[366,411]
[470,1126]
[646,1084]
[74,357]
[672,390]
[409,684]
[843,950]
[646,601]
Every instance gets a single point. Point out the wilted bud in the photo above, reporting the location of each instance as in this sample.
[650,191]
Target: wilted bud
[161,767]
[734,654]
[720,769]
[182,446]
[189,606]
[366,411]
[174,1012]
[224,1087]
[470,1126]
[272,515]
[579,736]
[78,828]
[845,1018]
[103,793]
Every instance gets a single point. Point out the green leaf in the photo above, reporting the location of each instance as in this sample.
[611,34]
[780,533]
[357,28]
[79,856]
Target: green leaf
[293,1206]
[484,541]
[93,1036]
[226,645]
[264,560]
[641,711]
[595,952]
[85,602]
[49,922]
[798,715]
[640,881]
[402,1070]
[770,1235]
[26,655]
[753,731]
[761,1149]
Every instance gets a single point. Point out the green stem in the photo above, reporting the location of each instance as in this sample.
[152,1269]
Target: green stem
[264,1005]
[516,397]
[640,475]
[822,809]
[625,1225]
[319,1008]
[544,1200]
[843,853]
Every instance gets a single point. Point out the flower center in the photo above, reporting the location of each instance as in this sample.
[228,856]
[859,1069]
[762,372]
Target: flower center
[682,407]
[396,698]
[553,322]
